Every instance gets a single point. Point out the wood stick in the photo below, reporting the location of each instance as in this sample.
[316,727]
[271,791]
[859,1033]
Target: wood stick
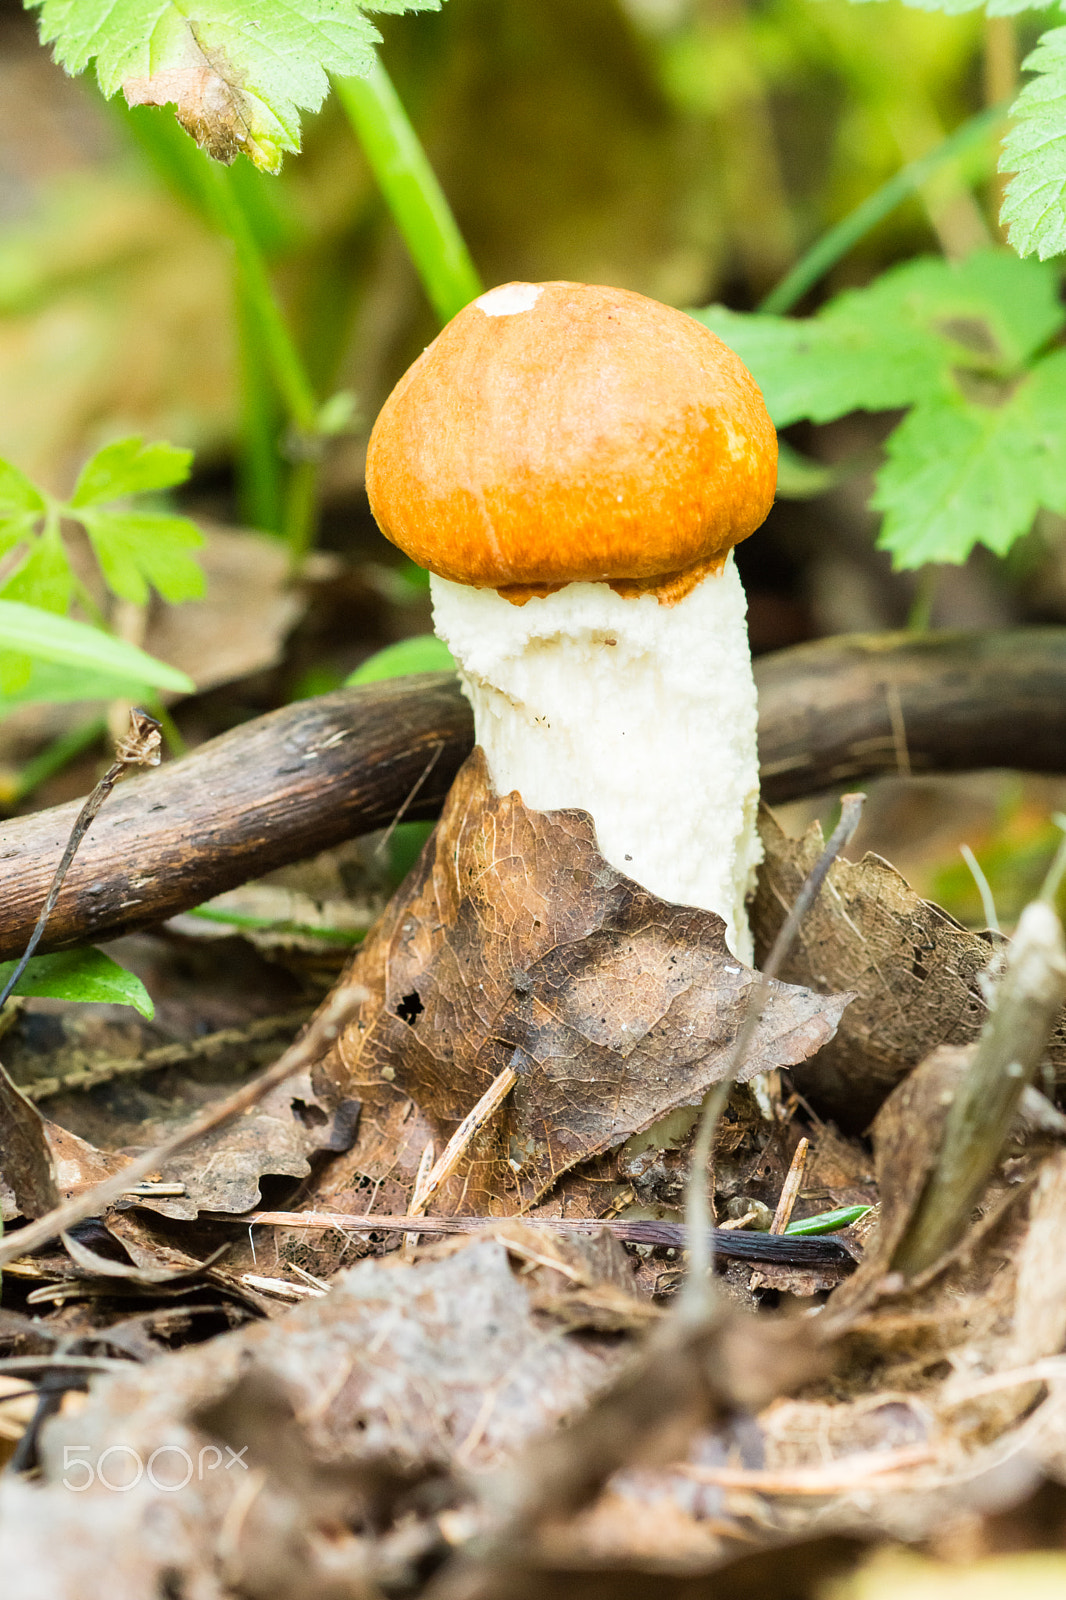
[790,1188]
[270,792]
[316,773]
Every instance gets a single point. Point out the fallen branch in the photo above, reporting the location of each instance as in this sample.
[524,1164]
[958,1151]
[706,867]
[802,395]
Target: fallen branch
[316,773]
[273,791]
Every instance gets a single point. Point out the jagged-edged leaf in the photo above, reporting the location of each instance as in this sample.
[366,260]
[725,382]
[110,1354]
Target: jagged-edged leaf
[1034,210]
[237,72]
[138,548]
[18,496]
[966,470]
[897,341]
[129,466]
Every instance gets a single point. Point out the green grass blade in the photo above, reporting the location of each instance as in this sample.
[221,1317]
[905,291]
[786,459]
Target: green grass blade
[827,1221]
[411,190]
[846,234]
[44,636]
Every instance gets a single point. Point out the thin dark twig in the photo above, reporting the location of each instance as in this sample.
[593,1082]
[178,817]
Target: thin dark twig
[696,1297]
[790,1249]
[140,747]
[411,796]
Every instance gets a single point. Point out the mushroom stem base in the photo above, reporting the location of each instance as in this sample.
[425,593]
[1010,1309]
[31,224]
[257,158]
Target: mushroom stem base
[643,715]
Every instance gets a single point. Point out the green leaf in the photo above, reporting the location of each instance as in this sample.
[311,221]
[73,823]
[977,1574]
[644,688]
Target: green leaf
[18,496]
[27,631]
[138,548]
[828,1221]
[26,682]
[897,342]
[1034,210]
[423,653]
[129,466]
[44,577]
[237,71]
[974,469]
[84,975]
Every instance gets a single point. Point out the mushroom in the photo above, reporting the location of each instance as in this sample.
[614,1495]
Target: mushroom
[574,465]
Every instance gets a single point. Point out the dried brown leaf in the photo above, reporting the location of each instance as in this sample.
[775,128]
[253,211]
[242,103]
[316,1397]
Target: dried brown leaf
[209,101]
[401,1374]
[27,1179]
[515,944]
[913,969]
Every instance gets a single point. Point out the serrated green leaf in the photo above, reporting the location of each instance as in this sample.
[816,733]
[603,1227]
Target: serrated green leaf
[961,471]
[85,975]
[129,466]
[896,342]
[237,71]
[422,653]
[138,548]
[822,367]
[27,631]
[1034,210]
[44,577]
[18,496]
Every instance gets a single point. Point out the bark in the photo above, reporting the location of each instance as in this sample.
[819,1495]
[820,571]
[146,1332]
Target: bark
[321,771]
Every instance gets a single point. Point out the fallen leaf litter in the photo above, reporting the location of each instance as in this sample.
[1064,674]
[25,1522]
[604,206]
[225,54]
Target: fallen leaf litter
[415,1442]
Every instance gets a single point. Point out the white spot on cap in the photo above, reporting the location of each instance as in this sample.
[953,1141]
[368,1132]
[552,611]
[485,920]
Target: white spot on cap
[509,298]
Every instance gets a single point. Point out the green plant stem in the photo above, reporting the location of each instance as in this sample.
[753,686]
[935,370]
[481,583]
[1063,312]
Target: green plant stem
[279,347]
[411,190]
[301,509]
[283,358]
[921,608]
[846,234]
[260,491]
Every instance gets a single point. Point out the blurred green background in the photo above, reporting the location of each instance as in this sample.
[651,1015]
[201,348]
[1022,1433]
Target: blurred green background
[689,149]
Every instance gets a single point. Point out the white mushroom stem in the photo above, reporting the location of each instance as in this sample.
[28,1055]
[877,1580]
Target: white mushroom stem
[642,714]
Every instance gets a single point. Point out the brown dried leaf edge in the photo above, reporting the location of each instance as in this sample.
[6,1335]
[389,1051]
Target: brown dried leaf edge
[514,943]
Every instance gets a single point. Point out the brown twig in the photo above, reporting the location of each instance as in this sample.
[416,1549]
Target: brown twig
[140,747]
[1011,1046]
[318,772]
[459,1143]
[416,1204]
[790,1188]
[321,1033]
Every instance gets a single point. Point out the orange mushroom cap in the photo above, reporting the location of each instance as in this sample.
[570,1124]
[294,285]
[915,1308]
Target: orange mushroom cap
[562,432]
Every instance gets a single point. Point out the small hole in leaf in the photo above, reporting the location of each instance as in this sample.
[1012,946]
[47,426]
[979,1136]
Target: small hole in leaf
[409,1008]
